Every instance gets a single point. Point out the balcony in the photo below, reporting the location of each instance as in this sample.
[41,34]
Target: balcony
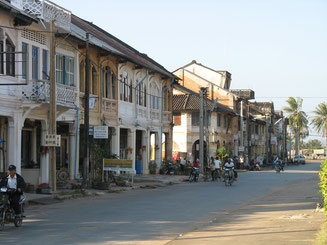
[155,114]
[110,107]
[45,10]
[40,92]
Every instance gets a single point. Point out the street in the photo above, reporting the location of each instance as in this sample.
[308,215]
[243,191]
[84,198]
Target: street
[188,213]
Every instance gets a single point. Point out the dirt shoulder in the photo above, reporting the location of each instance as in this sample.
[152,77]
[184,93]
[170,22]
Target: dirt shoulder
[285,216]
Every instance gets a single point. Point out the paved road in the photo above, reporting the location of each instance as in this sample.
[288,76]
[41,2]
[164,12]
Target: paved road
[147,216]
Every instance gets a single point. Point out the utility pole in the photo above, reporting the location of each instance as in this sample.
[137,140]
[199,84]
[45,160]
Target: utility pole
[201,131]
[52,125]
[206,123]
[86,161]
[241,128]
[267,138]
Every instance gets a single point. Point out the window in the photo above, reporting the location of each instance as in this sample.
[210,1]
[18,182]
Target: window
[10,58]
[65,70]
[145,95]
[126,89]
[45,65]
[218,119]
[24,59]
[82,77]
[225,121]
[113,85]
[107,82]
[1,58]
[59,69]
[196,118]
[177,119]
[208,118]
[94,87]
[256,129]
[35,63]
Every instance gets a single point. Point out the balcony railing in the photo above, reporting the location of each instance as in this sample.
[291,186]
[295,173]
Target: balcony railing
[110,106]
[155,114]
[40,92]
[45,10]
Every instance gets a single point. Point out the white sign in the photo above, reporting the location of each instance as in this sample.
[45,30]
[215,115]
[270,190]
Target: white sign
[100,132]
[241,148]
[273,140]
[91,103]
[51,140]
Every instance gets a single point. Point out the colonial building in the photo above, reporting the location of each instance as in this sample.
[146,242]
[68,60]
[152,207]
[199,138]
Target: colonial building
[130,93]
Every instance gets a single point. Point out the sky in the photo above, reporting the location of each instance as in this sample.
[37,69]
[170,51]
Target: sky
[278,48]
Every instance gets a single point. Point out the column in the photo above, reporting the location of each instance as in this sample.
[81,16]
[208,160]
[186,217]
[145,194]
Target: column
[15,125]
[34,146]
[72,164]
[44,155]
[115,145]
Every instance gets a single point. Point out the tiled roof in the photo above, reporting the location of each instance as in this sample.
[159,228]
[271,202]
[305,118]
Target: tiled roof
[119,47]
[191,102]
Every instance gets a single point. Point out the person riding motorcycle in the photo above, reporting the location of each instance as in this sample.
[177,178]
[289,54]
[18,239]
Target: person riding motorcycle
[230,164]
[16,184]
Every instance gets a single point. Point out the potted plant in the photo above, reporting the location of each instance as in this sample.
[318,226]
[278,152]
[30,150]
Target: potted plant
[152,167]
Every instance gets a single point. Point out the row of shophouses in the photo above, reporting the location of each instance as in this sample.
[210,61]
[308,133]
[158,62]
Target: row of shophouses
[149,112]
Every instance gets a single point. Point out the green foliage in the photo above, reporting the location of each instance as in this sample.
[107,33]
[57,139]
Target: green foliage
[222,153]
[152,165]
[323,183]
[313,144]
[99,149]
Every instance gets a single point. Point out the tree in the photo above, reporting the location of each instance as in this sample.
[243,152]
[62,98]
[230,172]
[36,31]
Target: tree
[319,121]
[297,118]
[313,144]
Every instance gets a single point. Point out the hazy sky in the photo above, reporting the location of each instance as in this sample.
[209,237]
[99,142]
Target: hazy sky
[278,48]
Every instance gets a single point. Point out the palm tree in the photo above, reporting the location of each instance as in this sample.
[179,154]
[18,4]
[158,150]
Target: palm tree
[297,118]
[319,121]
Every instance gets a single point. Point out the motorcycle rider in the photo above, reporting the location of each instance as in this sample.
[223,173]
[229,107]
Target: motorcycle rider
[16,183]
[230,164]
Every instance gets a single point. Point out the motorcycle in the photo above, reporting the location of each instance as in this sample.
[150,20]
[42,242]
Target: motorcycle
[278,166]
[228,176]
[7,213]
[194,175]
[169,168]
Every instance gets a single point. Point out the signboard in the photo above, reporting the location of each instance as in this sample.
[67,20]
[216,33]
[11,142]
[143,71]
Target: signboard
[117,165]
[91,130]
[100,132]
[273,140]
[91,103]
[241,148]
[51,140]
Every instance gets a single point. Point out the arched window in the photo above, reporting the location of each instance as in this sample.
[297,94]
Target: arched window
[107,82]
[82,76]
[10,58]
[144,95]
[94,82]
[113,85]
[126,88]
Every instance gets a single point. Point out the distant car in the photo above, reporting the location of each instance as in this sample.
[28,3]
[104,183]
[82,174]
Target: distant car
[299,159]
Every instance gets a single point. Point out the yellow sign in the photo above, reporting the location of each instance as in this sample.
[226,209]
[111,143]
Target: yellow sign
[117,164]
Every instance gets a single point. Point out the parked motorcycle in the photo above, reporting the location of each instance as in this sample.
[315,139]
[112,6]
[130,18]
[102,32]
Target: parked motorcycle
[194,175]
[7,213]
[169,168]
[228,176]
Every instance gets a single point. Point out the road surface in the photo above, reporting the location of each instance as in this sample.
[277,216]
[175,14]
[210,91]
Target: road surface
[157,216]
